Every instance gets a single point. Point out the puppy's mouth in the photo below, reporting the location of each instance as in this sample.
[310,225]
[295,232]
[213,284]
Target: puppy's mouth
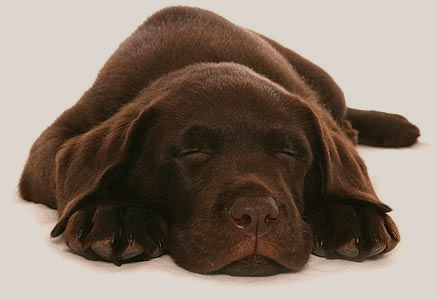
[252,265]
[242,254]
[253,257]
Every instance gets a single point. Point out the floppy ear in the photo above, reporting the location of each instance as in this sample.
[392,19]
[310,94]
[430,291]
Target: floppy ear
[88,163]
[343,174]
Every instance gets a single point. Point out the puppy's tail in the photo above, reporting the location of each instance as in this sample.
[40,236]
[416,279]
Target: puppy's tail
[382,129]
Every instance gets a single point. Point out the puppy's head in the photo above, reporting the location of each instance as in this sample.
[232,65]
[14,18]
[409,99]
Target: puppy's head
[232,160]
[230,155]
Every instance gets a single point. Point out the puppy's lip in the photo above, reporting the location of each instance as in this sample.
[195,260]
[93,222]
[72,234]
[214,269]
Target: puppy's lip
[254,257]
[252,265]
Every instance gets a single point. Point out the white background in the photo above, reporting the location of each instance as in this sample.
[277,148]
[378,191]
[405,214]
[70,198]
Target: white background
[382,54]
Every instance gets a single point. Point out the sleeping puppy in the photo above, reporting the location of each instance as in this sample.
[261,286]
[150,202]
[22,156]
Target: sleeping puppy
[218,146]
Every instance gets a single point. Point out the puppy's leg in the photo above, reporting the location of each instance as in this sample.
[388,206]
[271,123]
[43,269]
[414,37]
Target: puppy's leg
[382,129]
[37,182]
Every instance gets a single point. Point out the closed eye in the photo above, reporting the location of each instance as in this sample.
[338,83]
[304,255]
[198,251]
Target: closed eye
[284,144]
[289,153]
[191,151]
[195,154]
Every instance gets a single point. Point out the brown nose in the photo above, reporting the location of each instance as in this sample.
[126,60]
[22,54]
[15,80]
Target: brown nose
[254,215]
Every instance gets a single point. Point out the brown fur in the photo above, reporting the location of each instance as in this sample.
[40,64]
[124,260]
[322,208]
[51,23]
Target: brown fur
[216,145]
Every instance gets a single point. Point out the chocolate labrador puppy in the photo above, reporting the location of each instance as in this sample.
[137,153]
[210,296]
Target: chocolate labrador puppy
[218,146]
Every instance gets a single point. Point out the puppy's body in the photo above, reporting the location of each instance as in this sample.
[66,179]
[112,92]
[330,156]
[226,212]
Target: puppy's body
[144,157]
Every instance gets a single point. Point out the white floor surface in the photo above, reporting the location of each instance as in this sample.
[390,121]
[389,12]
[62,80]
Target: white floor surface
[382,54]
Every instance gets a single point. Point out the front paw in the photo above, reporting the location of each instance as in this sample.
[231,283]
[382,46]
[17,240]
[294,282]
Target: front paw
[354,233]
[116,234]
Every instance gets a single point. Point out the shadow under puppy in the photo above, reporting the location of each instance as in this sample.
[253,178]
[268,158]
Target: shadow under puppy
[218,146]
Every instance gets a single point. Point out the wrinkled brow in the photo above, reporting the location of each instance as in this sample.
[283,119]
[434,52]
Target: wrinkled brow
[200,137]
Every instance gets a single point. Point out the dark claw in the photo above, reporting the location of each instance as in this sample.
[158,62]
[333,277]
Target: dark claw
[117,262]
[157,251]
[81,234]
[130,238]
[318,249]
